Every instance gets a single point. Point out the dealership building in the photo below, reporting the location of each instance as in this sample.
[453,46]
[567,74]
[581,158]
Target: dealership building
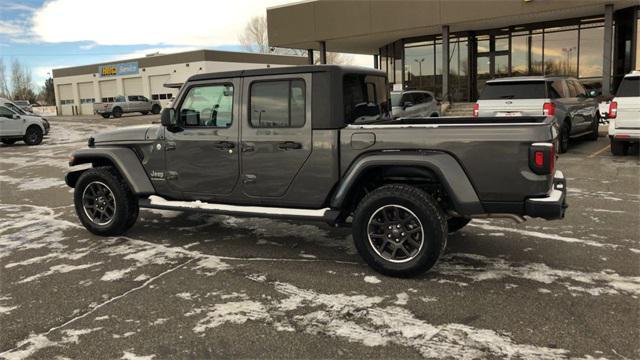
[453,47]
[154,76]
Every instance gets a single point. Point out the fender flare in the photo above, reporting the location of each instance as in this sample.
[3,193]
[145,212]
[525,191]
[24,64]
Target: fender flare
[125,161]
[449,172]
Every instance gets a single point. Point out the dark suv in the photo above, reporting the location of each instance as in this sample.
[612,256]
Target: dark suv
[562,97]
[317,143]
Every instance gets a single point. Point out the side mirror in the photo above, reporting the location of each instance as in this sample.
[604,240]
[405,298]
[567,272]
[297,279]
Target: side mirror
[407,104]
[15,117]
[168,119]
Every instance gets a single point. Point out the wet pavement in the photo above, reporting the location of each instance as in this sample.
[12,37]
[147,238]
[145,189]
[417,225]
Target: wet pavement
[188,285]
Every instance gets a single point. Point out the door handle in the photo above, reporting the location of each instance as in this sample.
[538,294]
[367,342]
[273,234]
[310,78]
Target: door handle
[169,145]
[289,145]
[247,148]
[225,145]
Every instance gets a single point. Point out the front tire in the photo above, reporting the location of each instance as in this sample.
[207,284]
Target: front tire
[33,135]
[104,203]
[595,128]
[117,112]
[619,148]
[144,112]
[399,230]
[565,132]
[106,116]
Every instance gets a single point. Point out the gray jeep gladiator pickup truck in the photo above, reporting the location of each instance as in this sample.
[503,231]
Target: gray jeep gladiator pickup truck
[318,143]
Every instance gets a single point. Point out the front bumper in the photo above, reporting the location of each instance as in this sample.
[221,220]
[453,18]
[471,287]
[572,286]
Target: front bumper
[552,206]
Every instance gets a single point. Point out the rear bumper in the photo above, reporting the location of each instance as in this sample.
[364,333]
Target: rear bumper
[552,206]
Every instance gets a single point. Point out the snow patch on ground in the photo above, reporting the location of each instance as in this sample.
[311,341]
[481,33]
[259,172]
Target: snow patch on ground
[372,280]
[481,268]
[58,269]
[5,309]
[131,356]
[115,274]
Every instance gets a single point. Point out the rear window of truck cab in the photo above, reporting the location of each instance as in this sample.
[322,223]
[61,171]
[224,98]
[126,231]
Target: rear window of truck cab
[365,99]
[514,90]
[629,87]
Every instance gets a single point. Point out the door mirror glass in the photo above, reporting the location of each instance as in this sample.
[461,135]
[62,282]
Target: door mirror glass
[168,118]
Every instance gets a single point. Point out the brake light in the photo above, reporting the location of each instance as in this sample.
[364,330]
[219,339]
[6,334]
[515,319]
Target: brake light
[476,109]
[548,109]
[613,110]
[542,158]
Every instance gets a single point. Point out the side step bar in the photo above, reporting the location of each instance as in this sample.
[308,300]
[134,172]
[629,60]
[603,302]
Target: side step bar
[327,215]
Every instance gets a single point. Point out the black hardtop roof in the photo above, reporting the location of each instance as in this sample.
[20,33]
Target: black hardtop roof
[284,70]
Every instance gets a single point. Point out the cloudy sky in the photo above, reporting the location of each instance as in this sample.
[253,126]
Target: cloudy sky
[57,33]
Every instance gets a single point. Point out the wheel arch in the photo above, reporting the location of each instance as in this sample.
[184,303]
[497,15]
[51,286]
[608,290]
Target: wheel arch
[124,160]
[435,166]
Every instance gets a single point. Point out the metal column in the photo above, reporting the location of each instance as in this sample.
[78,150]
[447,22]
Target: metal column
[445,62]
[310,56]
[323,52]
[606,56]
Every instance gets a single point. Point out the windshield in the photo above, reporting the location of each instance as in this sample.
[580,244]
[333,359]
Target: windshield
[629,87]
[366,98]
[15,108]
[507,90]
[396,97]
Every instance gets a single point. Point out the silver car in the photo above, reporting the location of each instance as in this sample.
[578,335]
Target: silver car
[563,97]
[414,103]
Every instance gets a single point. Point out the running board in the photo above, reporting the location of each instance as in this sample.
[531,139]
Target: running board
[326,214]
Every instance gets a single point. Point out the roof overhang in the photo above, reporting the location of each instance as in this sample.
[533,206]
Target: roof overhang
[365,26]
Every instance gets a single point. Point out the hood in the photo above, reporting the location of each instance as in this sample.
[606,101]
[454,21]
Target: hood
[129,133]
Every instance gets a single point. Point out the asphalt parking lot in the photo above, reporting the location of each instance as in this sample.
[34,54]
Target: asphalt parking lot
[186,285]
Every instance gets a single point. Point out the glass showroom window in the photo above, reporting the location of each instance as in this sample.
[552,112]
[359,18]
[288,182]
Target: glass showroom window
[458,69]
[561,51]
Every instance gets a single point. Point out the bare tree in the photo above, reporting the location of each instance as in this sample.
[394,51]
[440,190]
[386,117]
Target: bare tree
[256,39]
[4,85]
[21,82]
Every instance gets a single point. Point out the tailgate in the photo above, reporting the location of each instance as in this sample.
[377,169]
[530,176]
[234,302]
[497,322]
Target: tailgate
[520,107]
[628,116]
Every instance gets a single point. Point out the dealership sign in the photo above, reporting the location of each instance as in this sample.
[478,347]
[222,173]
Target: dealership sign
[128,68]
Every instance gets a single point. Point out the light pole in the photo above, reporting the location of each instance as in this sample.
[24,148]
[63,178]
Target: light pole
[419,61]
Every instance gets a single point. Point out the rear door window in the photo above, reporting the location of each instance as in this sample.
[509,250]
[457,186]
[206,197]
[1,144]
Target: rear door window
[629,87]
[277,104]
[510,90]
[365,98]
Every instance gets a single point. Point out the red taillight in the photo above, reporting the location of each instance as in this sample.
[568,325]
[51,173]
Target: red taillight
[476,110]
[539,159]
[542,158]
[548,109]
[613,110]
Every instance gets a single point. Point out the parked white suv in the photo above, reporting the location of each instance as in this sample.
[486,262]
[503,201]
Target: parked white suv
[20,127]
[624,115]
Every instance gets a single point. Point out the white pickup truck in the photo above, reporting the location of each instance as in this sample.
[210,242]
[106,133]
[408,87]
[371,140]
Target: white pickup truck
[127,104]
[624,115]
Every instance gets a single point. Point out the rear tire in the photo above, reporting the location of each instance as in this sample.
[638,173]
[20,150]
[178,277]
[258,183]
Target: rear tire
[619,148]
[456,223]
[563,141]
[595,128]
[104,203]
[399,230]
[33,135]
[155,109]
[117,112]
[8,141]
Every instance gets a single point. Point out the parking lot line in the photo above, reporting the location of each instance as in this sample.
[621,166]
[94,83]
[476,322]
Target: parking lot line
[598,152]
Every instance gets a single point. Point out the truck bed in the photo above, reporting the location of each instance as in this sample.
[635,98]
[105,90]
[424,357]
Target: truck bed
[493,151]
